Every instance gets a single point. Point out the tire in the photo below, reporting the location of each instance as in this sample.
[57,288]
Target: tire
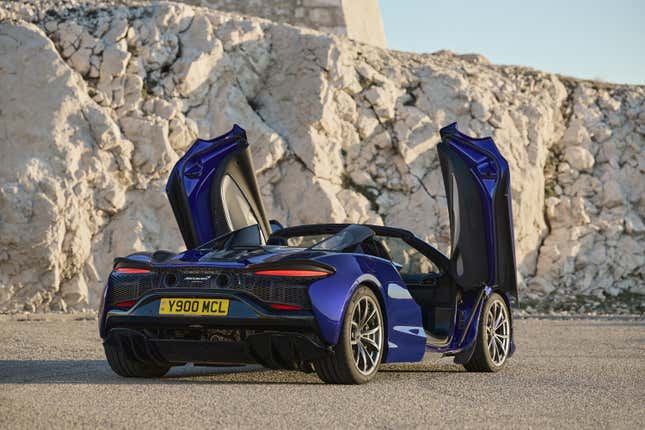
[343,367]
[124,364]
[491,355]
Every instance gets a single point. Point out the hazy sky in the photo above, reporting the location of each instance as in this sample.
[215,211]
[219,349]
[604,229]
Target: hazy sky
[588,39]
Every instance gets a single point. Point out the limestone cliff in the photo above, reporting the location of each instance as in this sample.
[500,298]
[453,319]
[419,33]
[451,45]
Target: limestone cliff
[98,100]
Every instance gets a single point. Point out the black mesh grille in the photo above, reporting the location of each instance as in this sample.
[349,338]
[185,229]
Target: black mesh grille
[275,289]
[127,287]
[285,290]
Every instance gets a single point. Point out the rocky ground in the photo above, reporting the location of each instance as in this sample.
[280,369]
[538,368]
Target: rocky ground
[99,100]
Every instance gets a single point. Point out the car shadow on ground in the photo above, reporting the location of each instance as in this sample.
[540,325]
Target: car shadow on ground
[98,372]
[421,368]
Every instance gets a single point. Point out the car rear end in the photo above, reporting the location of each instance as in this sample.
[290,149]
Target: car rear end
[174,314]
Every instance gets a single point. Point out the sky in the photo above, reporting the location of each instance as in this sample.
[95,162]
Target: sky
[601,40]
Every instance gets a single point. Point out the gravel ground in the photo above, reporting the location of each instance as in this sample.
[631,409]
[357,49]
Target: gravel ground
[566,373]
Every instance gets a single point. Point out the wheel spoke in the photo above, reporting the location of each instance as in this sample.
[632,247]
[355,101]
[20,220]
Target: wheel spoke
[361,312]
[369,317]
[498,320]
[364,315]
[497,332]
[357,354]
[370,357]
[364,357]
[499,342]
[367,341]
[372,331]
[366,335]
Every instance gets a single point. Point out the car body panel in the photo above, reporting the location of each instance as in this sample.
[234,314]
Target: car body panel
[330,296]
[212,189]
[474,171]
[477,182]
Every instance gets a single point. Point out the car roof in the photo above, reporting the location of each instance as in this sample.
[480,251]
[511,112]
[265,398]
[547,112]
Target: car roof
[332,228]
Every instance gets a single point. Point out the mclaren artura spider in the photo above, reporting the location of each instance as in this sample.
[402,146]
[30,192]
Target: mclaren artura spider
[337,299]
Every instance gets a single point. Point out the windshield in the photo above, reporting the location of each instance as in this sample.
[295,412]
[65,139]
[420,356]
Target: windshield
[247,237]
[345,239]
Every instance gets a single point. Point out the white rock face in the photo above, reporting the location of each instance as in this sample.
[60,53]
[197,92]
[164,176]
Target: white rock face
[98,103]
[578,157]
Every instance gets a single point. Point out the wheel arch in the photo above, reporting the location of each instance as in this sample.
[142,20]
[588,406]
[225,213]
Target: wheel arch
[330,296]
[465,355]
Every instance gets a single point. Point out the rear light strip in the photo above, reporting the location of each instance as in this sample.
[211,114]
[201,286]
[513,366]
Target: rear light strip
[131,270]
[283,307]
[126,304]
[268,272]
[292,273]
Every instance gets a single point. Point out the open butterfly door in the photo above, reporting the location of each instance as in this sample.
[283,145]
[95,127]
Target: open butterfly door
[212,190]
[477,182]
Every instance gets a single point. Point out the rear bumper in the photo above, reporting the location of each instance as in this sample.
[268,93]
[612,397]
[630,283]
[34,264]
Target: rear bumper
[244,312]
[276,350]
[277,339]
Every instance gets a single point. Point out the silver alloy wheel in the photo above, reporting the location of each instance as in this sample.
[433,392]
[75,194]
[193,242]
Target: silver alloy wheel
[366,335]
[498,330]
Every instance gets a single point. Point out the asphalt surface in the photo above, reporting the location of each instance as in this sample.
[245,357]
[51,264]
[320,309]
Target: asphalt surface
[566,374]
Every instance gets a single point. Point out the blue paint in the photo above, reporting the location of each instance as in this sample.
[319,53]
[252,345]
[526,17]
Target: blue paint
[331,295]
[197,169]
[487,165]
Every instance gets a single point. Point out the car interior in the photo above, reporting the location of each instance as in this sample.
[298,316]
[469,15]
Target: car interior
[430,286]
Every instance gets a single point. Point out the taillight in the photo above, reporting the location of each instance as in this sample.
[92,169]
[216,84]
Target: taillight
[125,304]
[292,272]
[131,270]
[282,307]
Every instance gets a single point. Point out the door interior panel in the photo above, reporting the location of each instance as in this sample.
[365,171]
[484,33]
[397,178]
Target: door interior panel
[506,271]
[212,189]
[477,182]
[438,299]
[469,244]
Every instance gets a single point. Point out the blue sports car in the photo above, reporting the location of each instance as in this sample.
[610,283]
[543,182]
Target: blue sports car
[335,299]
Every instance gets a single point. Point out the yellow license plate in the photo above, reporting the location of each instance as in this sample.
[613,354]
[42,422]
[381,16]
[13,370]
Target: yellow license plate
[181,306]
